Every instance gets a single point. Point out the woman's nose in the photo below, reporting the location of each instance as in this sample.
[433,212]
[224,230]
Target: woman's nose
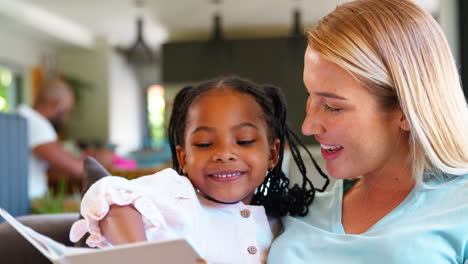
[312,125]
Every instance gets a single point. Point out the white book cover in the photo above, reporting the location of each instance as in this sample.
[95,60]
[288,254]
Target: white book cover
[174,251]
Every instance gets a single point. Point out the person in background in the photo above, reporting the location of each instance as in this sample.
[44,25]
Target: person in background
[386,105]
[49,114]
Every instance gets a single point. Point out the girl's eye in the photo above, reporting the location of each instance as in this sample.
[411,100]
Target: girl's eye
[245,142]
[202,145]
[332,109]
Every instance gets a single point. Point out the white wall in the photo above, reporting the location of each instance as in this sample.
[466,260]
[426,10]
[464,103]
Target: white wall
[20,51]
[448,19]
[125,106]
[90,117]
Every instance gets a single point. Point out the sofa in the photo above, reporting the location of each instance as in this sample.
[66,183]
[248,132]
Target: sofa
[15,249]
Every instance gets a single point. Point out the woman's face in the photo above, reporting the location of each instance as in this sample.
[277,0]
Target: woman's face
[357,138]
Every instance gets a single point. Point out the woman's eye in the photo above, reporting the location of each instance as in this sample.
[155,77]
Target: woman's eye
[202,145]
[245,142]
[332,109]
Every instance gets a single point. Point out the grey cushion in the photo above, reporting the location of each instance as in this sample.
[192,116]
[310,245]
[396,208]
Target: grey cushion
[15,249]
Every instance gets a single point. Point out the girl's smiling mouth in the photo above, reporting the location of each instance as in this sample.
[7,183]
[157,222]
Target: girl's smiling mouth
[226,176]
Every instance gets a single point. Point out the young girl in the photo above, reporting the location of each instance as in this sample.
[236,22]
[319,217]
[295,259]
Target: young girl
[227,137]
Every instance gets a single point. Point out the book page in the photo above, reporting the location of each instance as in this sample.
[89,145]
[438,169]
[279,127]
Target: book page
[177,251]
[171,251]
[57,249]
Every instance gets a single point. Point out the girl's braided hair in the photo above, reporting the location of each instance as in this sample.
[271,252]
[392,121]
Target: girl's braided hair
[274,193]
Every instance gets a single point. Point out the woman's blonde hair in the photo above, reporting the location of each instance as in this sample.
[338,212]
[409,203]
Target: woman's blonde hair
[400,54]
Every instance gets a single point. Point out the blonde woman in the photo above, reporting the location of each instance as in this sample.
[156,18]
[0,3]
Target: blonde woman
[386,105]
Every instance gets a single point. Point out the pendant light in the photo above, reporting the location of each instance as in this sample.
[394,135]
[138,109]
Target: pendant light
[139,52]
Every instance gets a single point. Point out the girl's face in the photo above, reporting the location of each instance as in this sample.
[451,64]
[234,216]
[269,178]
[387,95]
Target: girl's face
[226,150]
[357,138]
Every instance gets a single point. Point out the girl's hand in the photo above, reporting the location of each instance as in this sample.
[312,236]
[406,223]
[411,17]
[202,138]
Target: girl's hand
[123,224]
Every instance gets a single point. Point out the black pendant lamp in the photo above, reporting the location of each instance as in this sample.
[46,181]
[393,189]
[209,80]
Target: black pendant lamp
[139,52]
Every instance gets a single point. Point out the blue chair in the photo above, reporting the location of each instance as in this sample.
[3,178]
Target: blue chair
[14,164]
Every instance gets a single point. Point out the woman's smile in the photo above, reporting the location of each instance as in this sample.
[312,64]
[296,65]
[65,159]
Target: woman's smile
[330,152]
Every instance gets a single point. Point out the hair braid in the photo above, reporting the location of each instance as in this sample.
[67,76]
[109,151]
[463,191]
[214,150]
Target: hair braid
[177,116]
[274,193]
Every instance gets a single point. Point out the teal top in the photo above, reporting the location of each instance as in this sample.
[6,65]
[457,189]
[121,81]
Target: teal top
[429,226]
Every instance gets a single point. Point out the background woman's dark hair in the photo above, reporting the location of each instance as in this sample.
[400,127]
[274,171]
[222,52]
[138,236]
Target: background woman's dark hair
[274,193]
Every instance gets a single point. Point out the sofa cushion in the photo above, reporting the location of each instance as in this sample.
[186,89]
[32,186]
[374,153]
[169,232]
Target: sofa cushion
[15,249]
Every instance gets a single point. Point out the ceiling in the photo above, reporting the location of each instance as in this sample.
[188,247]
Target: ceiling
[178,19]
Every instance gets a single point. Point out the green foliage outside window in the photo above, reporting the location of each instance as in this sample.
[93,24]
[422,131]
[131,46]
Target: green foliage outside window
[6,78]
[156,107]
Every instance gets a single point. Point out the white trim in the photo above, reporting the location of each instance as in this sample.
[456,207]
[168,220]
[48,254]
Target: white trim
[47,22]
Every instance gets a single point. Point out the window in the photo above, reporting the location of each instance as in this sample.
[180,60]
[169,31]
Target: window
[7,92]
[156,107]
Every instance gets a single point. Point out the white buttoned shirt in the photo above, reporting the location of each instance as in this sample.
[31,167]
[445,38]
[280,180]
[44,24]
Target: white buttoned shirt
[171,208]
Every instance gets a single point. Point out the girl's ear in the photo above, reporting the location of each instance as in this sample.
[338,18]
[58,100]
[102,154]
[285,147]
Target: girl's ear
[274,154]
[181,157]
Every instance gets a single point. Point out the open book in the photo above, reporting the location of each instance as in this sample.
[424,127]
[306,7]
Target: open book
[174,251]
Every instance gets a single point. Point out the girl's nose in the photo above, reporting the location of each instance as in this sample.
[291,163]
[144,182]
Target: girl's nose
[312,125]
[224,155]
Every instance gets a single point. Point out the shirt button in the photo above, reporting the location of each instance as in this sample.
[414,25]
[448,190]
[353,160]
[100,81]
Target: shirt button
[252,250]
[245,213]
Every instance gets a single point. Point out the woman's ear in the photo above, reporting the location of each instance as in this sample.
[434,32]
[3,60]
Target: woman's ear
[400,117]
[274,154]
[181,157]
[404,124]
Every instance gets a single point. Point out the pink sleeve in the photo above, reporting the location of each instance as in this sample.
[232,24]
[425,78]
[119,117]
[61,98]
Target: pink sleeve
[165,200]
